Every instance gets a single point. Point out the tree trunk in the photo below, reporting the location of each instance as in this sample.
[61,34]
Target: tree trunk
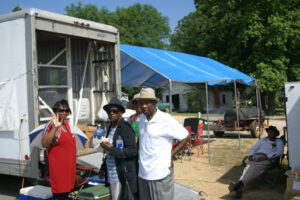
[263,102]
[271,104]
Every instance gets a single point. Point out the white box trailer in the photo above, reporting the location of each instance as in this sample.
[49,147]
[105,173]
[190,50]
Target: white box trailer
[46,57]
[292,94]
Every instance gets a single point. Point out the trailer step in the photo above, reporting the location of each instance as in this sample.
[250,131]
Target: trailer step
[102,61]
[101,91]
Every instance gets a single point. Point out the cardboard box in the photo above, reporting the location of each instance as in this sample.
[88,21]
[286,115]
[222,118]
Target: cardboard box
[292,188]
[88,131]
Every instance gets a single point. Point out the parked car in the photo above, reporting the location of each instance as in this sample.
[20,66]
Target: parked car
[165,106]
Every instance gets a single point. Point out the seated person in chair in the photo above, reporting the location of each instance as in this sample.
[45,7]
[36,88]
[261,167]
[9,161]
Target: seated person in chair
[260,158]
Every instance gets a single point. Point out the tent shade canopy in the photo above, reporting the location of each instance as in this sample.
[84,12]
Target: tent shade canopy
[143,66]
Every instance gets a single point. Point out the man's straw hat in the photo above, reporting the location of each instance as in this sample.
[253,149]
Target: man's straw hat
[147,93]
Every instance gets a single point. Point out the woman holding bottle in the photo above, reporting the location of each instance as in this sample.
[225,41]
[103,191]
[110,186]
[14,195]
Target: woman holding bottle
[120,163]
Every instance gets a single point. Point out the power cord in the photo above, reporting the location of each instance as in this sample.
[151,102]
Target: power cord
[21,138]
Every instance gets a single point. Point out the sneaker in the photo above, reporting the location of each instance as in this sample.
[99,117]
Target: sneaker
[231,186]
[238,192]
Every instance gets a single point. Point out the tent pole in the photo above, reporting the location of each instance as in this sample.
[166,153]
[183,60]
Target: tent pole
[237,114]
[207,119]
[170,96]
[258,108]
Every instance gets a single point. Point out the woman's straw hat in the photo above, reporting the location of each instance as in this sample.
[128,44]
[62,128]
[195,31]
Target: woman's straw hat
[130,103]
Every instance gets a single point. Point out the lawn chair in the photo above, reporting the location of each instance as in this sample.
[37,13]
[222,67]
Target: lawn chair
[196,133]
[276,164]
[193,123]
[186,150]
[197,140]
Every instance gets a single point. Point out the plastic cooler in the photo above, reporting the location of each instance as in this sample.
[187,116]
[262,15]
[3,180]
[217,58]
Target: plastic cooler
[36,192]
[95,181]
[99,192]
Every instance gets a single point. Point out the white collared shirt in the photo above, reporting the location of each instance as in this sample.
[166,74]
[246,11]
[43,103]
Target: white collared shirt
[268,147]
[155,144]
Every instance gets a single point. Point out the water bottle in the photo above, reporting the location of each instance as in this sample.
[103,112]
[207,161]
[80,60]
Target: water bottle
[119,142]
[101,132]
[97,134]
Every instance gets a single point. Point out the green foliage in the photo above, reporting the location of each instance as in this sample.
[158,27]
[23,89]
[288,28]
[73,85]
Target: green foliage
[17,8]
[195,101]
[140,25]
[260,38]
[131,91]
[89,11]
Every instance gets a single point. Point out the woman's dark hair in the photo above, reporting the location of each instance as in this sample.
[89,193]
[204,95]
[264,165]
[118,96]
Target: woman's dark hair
[62,102]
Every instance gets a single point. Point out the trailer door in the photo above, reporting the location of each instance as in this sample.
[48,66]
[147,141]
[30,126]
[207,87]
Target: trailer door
[54,73]
[292,93]
[80,70]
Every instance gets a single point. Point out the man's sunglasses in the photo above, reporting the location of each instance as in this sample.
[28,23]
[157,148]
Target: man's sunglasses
[64,110]
[115,111]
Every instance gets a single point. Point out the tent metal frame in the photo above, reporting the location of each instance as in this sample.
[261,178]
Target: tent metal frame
[236,105]
[207,103]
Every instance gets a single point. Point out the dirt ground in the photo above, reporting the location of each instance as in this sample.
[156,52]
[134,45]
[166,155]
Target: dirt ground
[225,158]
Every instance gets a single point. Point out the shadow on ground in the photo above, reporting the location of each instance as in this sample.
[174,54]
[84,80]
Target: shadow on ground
[260,188]
[10,186]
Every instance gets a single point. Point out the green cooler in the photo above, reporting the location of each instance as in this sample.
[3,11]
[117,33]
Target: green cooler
[99,192]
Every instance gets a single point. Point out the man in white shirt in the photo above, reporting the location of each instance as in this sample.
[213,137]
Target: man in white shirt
[156,133]
[259,157]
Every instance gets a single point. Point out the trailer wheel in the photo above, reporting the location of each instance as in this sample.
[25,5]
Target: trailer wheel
[219,133]
[255,130]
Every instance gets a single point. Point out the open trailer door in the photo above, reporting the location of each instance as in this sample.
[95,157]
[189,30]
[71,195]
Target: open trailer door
[292,94]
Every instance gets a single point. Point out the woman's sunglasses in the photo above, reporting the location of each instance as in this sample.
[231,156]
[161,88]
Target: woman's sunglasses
[64,110]
[115,111]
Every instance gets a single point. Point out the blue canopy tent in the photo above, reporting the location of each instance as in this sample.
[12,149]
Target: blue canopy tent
[142,66]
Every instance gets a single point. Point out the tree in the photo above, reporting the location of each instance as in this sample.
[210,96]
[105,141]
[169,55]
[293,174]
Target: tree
[142,25]
[89,12]
[260,38]
[17,8]
[138,24]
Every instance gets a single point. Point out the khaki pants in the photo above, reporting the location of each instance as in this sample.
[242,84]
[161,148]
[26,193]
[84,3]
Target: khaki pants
[253,170]
[115,190]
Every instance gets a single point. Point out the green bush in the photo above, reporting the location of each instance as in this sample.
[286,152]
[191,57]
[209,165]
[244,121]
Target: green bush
[195,101]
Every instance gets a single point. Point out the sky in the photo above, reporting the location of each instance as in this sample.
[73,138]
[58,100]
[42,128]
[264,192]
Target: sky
[173,9]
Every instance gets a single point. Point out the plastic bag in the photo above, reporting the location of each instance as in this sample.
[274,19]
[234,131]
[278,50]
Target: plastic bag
[102,115]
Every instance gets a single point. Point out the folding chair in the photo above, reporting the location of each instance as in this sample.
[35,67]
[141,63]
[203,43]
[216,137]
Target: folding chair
[197,141]
[193,123]
[186,150]
[276,163]
[196,133]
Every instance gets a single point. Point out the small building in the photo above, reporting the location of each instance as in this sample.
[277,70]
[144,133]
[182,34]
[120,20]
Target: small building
[219,97]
